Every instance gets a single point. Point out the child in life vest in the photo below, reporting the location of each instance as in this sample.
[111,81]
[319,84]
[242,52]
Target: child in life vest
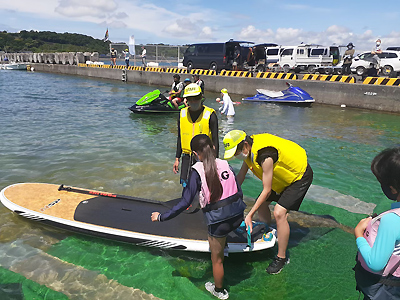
[221,200]
[377,271]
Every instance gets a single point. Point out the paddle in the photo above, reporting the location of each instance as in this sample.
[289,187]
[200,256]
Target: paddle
[169,204]
[248,238]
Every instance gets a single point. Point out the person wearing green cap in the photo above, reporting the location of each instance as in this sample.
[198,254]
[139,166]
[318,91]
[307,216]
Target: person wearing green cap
[286,176]
[193,120]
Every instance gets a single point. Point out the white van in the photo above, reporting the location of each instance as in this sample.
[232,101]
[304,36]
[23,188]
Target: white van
[272,54]
[305,58]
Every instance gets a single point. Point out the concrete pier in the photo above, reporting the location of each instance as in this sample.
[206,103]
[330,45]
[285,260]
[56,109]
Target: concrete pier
[65,58]
[357,95]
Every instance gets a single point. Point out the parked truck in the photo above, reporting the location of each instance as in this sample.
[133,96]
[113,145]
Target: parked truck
[305,57]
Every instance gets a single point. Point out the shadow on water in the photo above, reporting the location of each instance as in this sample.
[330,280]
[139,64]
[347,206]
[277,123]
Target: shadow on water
[197,267]
[11,291]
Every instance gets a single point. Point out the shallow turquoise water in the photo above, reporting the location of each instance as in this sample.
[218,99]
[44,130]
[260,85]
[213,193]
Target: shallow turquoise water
[78,131]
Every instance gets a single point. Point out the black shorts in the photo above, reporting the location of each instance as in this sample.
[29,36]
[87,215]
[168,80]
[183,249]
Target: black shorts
[222,229]
[292,196]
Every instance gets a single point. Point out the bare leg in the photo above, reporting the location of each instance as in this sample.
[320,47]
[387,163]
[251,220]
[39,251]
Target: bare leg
[174,102]
[264,213]
[217,246]
[283,229]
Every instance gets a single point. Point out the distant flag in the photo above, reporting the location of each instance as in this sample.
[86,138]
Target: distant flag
[106,36]
[131,45]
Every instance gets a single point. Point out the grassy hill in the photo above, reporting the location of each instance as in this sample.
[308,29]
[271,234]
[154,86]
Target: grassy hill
[47,41]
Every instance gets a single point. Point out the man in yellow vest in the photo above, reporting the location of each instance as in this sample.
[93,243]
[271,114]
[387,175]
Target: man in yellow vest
[193,120]
[282,167]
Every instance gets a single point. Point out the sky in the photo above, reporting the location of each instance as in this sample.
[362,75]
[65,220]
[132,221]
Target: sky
[174,22]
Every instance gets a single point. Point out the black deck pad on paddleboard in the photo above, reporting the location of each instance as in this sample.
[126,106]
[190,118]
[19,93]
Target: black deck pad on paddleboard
[136,216]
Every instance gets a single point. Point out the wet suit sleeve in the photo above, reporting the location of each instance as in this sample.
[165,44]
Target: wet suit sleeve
[266,152]
[225,105]
[178,141]
[214,132]
[188,195]
[388,234]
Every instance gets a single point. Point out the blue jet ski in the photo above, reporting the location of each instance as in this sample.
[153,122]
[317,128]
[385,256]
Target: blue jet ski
[292,96]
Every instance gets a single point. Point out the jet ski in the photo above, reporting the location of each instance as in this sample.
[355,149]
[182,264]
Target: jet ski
[154,102]
[292,95]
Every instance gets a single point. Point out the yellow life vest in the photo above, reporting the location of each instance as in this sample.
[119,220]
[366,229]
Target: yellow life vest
[291,163]
[189,128]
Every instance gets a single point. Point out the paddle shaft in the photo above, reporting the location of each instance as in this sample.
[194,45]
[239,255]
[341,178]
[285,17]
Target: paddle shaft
[110,195]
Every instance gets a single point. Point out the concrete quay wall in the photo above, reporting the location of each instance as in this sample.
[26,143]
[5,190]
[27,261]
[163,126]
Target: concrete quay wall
[65,58]
[357,95]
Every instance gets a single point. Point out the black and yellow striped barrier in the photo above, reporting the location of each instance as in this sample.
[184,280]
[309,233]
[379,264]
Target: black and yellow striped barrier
[94,66]
[276,75]
[113,67]
[176,70]
[236,73]
[90,65]
[105,66]
[151,69]
[335,78]
[134,68]
[203,72]
[382,81]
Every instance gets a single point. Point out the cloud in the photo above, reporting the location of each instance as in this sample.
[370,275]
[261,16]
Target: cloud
[206,33]
[334,34]
[181,27]
[79,8]
[113,24]
[393,39]
[157,21]
[121,15]
[289,35]
[189,28]
[251,33]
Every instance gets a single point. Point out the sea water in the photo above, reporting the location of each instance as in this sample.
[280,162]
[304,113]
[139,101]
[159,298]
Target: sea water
[78,131]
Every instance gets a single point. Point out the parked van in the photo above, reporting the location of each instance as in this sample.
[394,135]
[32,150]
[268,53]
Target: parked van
[273,54]
[214,56]
[263,55]
[305,58]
